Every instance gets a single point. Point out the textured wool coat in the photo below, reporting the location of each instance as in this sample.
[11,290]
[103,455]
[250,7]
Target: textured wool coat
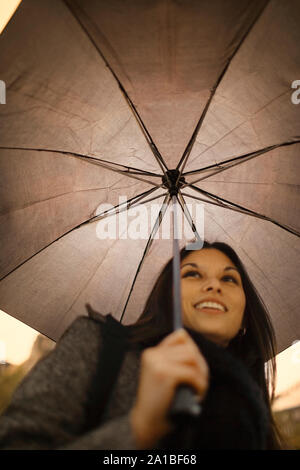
[68,402]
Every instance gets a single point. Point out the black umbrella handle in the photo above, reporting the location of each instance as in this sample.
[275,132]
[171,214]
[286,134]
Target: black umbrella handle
[185,403]
[185,400]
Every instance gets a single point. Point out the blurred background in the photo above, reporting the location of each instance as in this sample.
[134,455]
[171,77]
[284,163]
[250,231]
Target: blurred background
[21,348]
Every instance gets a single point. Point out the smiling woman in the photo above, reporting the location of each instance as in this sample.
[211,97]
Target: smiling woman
[213,297]
[219,304]
[69,401]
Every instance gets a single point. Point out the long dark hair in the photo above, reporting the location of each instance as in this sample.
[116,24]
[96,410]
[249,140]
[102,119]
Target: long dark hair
[256,348]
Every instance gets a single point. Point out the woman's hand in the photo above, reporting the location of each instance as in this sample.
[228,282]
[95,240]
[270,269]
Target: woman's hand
[176,360]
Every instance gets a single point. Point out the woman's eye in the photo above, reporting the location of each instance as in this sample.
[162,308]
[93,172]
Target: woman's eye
[230,278]
[192,274]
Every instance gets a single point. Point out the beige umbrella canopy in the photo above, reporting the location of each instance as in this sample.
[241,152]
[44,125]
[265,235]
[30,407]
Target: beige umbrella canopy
[104,98]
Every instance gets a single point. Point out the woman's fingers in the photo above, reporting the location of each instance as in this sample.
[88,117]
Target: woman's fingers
[179,346]
[168,374]
[181,354]
[182,362]
[179,337]
[176,360]
[185,355]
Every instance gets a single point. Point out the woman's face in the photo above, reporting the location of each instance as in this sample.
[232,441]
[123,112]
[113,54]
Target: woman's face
[213,298]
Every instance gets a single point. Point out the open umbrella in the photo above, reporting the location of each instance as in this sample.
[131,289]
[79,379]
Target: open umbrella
[119,102]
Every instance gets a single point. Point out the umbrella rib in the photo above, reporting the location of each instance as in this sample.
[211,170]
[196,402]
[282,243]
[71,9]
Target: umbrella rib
[137,116]
[192,140]
[243,210]
[217,203]
[139,171]
[147,248]
[231,162]
[97,161]
[85,222]
[127,205]
[189,218]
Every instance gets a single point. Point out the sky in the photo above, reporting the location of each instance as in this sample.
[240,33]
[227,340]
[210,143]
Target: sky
[288,383]
[16,339]
[7,9]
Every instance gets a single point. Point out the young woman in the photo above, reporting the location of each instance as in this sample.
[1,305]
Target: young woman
[220,302]
[221,353]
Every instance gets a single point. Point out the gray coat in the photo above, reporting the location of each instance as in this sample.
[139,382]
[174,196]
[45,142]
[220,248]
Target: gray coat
[48,410]
[51,408]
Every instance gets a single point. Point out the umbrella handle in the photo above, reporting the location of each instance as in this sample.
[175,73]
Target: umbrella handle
[185,403]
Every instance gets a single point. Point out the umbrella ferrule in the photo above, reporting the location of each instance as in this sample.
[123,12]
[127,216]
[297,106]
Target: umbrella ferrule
[171,182]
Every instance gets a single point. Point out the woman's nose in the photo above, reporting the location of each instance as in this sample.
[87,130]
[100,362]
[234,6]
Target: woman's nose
[212,284]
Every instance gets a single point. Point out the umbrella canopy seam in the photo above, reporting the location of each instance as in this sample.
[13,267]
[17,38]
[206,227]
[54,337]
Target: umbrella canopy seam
[94,161]
[145,131]
[242,209]
[241,158]
[147,247]
[190,145]
[90,220]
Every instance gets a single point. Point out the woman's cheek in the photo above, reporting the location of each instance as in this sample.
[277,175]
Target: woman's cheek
[185,306]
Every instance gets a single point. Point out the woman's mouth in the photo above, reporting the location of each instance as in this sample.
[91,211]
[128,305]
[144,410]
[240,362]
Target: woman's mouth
[210,306]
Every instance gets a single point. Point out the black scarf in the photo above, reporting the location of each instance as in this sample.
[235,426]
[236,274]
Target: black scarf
[234,415]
